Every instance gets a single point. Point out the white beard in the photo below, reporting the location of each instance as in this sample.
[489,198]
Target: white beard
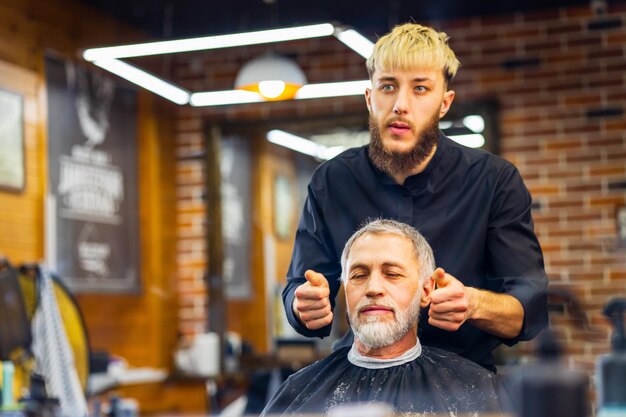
[374,332]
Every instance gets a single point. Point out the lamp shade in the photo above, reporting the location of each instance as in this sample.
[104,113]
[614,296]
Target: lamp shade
[274,77]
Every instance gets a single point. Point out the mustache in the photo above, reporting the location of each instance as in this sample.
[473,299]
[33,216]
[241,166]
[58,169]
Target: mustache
[401,120]
[373,303]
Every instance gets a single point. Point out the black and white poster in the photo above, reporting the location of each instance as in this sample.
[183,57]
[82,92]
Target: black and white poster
[235,162]
[92,209]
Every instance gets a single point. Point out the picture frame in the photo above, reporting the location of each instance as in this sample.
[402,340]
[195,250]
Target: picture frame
[283,206]
[12,152]
[620,220]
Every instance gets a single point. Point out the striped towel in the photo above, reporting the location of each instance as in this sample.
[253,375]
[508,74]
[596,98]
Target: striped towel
[53,354]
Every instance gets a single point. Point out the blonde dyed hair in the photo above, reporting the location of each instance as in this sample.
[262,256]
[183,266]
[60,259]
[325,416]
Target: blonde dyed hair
[412,45]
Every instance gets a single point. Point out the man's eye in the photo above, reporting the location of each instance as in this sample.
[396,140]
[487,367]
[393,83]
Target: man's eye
[420,88]
[357,276]
[387,88]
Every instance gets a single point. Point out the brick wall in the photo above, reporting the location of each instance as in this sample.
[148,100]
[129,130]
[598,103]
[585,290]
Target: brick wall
[558,77]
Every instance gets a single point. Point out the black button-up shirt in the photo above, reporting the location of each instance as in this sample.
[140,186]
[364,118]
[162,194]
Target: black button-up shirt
[472,207]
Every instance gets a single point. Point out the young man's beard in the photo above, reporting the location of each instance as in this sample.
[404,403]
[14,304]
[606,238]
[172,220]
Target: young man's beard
[391,162]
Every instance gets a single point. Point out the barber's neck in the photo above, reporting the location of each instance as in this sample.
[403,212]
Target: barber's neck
[408,341]
[400,176]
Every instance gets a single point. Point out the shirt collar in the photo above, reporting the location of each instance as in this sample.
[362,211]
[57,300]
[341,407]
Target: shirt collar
[357,359]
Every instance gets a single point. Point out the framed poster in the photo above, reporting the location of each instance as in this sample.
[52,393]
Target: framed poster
[235,166]
[283,206]
[92,209]
[12,160]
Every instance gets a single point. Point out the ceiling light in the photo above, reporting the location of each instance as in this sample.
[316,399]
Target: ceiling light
[355,41]
[266,88]
[345,88]
[274,77]
[210,42]
[302,145]
[474,122]
[221,98]
[474,140]
[145,80]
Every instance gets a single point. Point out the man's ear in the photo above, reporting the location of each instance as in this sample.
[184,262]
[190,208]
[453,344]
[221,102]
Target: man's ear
[448,98]
[368,99]
[427,288]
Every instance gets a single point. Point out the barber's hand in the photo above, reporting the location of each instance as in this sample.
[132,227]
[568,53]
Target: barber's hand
[312,302]
[451,302]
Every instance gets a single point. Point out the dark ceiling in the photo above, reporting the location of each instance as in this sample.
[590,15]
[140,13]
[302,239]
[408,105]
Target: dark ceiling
[171,19]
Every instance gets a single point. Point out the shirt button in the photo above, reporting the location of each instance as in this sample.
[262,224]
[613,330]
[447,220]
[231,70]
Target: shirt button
[404,191]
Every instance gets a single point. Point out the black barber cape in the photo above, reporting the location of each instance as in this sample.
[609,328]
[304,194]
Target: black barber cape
[436,382]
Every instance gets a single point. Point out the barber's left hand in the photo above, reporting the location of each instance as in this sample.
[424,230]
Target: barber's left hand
[451,302]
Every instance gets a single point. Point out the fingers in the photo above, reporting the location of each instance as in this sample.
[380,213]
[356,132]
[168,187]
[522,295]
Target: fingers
[445,324]
[442,279]
[449,304]
[312,301]
[314,314]
[315,278]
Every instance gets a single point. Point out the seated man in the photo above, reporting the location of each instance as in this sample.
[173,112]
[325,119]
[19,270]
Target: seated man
[388,271]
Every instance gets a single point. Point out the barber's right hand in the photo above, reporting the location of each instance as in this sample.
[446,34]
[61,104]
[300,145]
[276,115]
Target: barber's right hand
[312,301]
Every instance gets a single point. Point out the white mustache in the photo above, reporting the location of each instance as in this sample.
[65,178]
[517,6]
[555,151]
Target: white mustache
[376,303]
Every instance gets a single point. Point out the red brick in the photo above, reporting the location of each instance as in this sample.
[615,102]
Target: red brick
[504,20]
[577,158]
[542,218]
[567,202]
[539,131]
[562,28]
[543,190]
[609,170]
[478,38]
[521,33]
[540,74]
[582,98]
[604,260]
[539,16]
[619,125]
[571,84]
[587,69]
[587,278]
[577,11]
[591,127]
[556,262]
[616,155]
[607,82]
[613,52]
[543,161]
[559,145]
[558,174]
[607,201]
[604,142]
[505,49]
[584,40]
[549,248]
[515,119]
[583,246]
[564,58]
[618,38]
[583,187]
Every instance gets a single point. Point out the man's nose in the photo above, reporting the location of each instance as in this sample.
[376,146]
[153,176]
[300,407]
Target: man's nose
[375,285]
[401,106]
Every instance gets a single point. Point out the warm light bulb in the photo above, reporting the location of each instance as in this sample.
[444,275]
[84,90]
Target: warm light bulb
[271,88]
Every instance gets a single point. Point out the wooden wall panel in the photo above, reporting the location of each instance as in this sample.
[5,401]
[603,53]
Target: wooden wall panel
[20,212]
[141,328]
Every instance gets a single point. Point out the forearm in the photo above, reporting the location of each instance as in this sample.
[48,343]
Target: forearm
[501,315]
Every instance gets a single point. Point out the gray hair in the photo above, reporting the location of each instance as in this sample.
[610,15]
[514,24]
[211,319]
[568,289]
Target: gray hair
[421,248]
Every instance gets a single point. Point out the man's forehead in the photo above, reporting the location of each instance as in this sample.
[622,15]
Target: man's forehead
[394,252]
[418,72]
